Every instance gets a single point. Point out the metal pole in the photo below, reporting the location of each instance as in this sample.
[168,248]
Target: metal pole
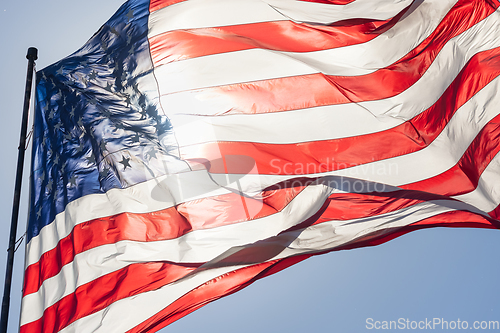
[31,56]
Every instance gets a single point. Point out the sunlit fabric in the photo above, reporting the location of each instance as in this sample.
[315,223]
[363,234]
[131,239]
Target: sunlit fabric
[192,147]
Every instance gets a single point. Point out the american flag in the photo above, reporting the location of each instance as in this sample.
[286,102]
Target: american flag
[193,147]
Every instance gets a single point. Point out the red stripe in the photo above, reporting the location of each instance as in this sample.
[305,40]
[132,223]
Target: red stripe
[264,251]
[239,279]
[155,5]
[194,215]
[318,90]
[464,176]
[350,206]
[453,219]
[210,291]
[495,213]
[100,293]
[329,155]
[331,2]
[281,36]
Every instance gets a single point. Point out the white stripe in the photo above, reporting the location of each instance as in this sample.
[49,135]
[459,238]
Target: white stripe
[154,195]
[227,68]
[127,313]
[451,59]
[487,194]
[192,14]
[260,64]
[327,235]
[442,154]
[337,121]
[332,234]
[301,11]
[196,246]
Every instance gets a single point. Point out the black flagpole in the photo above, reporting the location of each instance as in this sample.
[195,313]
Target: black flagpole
[31,56]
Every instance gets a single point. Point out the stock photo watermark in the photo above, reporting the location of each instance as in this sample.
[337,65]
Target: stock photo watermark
[243,174]
[280,167]
[431,324]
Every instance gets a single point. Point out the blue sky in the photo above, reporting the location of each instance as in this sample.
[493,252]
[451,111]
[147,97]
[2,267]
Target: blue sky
[439,273]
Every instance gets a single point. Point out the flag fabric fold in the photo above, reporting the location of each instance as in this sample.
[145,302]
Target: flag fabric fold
[191,147]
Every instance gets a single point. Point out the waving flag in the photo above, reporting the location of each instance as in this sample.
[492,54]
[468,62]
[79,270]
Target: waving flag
[192,147]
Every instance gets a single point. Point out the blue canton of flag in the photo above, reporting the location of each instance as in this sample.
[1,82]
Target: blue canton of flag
[98,120]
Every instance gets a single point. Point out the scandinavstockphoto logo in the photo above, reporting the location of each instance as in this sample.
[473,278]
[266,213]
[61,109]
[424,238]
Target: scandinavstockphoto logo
[242,174]
[280,167]
[428,324]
